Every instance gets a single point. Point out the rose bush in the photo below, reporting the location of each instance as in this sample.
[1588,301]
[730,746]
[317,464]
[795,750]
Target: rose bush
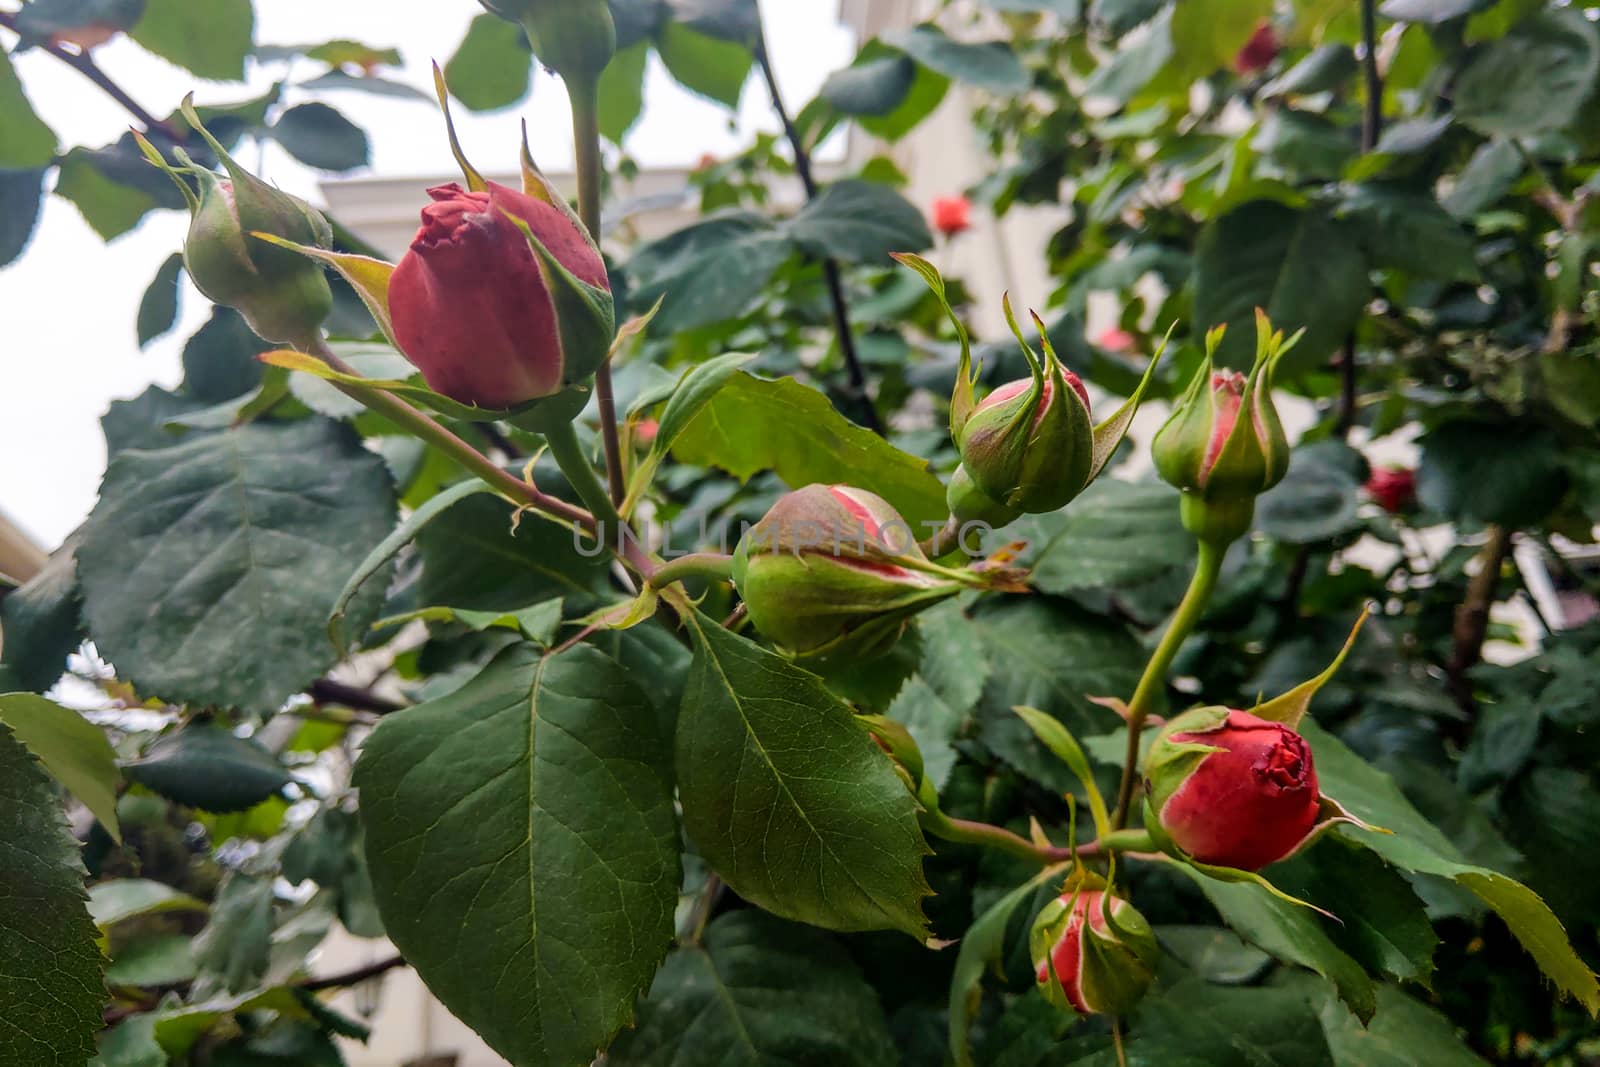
[549,605]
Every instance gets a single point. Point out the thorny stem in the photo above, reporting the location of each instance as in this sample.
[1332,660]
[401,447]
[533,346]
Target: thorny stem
[441,437]
[1154,679]
[84,64]
[586,137]
[830,266]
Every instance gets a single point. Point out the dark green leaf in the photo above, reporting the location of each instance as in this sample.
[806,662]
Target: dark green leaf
[50,970]
[1487,177]
[1215,953]
[1534,78]
[1120,16]
[74,751]
[1493,472]
[158,309]
[120,899]
[874,87]
[1303,268]
[753,424]
[319,136]
[523,849]
[1410,231]
[471,560]
[21,194]
[207,767]
[860,222]
[208,565]
[1318,501]
[926,93]
[704,64]
[158,959]
[26,143]
[1196,1024]
[757,991]
[788,798]
[1115,536]
[492,67]
[1326,67]
[621,99]
[219,361]
[40,20]
[41,622]
[1403,1033]
[708,272]
[210,39]
[110,207]
[1306,144]
[232,952]
[989,65]
[980,948]
[141,422]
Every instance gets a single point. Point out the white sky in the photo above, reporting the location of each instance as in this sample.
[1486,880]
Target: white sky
[67,306]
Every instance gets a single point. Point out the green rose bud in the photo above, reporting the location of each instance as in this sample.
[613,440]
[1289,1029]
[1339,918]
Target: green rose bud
[834,568]
[1093,953]
[574,38]
[282,295]
[1224,444]
[968,503]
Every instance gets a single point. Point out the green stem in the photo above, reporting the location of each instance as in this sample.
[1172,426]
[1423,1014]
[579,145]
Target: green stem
[713,565]
[586,137]
[944,541]
[569,455]
[1154,679]
[987,835]
[429,430]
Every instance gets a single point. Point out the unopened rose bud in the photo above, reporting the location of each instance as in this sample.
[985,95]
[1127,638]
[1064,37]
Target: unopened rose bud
[1231,789]
[832,565]
[1093,953]
[283,296]
[1224,444]
[1029,445]
[952,215]
[968,503]
[502,298]
[1259,51]
[574,38]
[1393,488]
[1116,339]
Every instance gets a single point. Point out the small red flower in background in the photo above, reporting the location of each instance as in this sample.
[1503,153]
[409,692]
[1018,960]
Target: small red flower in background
[952,215]
[706,162]
[1393,488]
[1258,51]
[1116,339]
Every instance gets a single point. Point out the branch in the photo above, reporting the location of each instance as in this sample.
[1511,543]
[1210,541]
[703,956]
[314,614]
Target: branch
[830,267]
[1371,130]
[84,64]
[1472,618]
[328,691]
[352,977]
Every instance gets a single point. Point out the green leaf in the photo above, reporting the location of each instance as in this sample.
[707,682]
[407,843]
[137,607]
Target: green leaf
[21,195]
[1403,1033]
[492,67]
[1327,67]
[523,849]
[1506,473]
[754,424]
[1535,78]
[1319,501]
[72,749]
[1193,1023]
[210,39]
[1488,176]
[708,272]
[933,724]
[537,623]
[205,766]
[110,207]
[471,559]
[989,65]
[927,92]
[787,797]
[26,143]
[158,309]
[1431,11]
[207,564]
[40,623]
[219,361]
[704,64]
[159,959]
[50,971]
[1416,845]
[232,952]
[621,93]
[859,222]
[1207,34]
[756,990]
[1410,231]
[1303,268]
[981,948]
[319,136]
[1290,932]
[871,86]
[693,392]
[1306,144]
[118,899]
[1117,535]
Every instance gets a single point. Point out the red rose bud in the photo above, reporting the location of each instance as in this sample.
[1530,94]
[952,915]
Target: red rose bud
[1259,51]
[832,565]
[502,298]
[574,38]
[952,215]
[1116,339]
[1224,445]
[1093,952]
[1394,488]
[282,295]
[1029,445]
[1231,789]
